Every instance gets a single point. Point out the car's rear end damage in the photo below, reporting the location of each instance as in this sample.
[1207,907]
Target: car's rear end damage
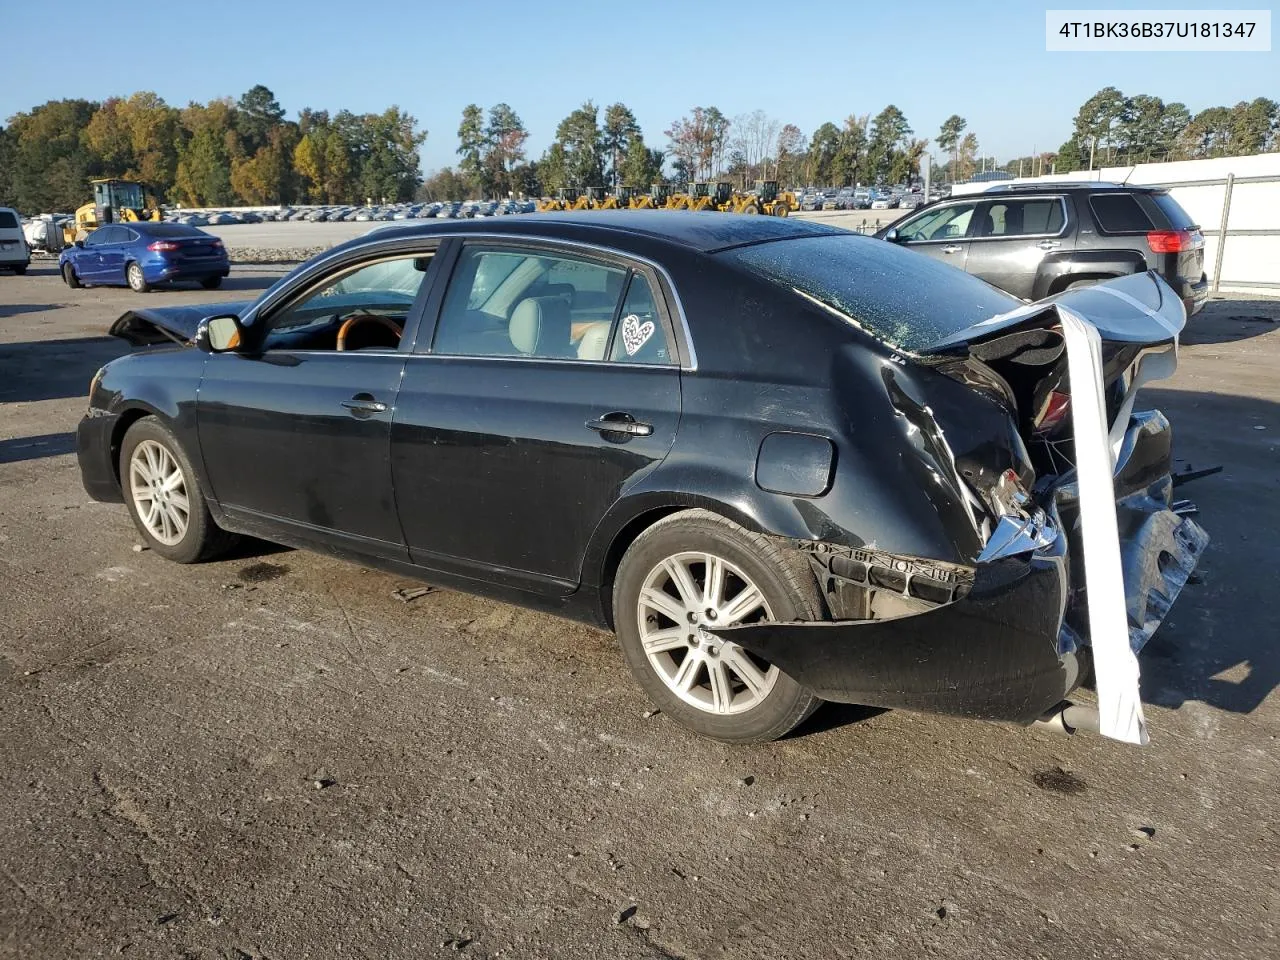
[1069,546]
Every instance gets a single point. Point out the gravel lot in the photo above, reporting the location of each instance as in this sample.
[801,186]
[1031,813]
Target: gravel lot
[273,757]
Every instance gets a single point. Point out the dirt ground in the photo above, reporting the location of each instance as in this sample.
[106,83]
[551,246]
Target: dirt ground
[274,757]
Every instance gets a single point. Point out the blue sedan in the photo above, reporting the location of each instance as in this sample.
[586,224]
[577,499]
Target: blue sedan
[140,255]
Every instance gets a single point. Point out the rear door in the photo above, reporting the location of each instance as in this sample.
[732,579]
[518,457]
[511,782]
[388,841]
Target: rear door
[1012,237]
[940,232]
[551,384]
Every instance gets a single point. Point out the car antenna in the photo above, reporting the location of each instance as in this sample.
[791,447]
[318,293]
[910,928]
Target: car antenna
[1125,181]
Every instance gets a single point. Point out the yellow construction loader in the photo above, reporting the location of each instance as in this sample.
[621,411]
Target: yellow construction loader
[114,201]
[653,200]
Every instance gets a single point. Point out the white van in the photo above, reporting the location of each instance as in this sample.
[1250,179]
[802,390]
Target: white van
[15,255]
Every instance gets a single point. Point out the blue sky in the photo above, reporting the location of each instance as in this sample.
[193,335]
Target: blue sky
[814,61]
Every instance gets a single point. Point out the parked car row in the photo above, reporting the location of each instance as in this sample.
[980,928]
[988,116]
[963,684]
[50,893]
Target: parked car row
[348,213]
[866,198]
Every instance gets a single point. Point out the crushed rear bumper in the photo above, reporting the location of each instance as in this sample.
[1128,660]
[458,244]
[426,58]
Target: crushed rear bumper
[1011,647]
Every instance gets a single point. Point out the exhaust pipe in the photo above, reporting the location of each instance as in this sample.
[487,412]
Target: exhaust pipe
[1068,717]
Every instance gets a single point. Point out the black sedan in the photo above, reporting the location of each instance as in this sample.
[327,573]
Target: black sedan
[783,462]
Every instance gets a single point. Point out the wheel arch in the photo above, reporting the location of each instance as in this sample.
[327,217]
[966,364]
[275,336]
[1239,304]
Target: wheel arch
[632,517]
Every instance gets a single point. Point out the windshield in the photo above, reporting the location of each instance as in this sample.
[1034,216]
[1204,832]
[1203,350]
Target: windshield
[909,300]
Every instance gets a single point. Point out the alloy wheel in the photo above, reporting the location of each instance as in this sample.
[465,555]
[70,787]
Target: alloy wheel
[159,492]
[681,597]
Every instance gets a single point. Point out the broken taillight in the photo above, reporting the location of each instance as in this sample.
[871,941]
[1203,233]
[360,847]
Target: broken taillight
[1055,409]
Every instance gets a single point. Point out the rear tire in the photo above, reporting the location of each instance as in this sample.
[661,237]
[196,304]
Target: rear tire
[69,276]
[137,281]
[20,269]
[781,210]
[211,283]
[694,568]
[164,497]
[750,209]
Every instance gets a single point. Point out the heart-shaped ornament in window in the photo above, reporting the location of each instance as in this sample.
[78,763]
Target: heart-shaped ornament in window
[635,334]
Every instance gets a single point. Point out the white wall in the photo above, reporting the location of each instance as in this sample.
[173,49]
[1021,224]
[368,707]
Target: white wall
[1247,260]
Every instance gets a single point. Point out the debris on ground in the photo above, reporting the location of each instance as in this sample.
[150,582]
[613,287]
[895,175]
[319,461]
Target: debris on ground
[409,594]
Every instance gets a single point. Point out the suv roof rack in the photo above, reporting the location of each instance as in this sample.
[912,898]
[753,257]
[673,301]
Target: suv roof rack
[1065,185]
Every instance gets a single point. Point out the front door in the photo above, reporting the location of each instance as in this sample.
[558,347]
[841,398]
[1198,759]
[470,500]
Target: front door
[551,386]
[940,232]
[88,262]
[1011,239]
[295,433]
[112,254]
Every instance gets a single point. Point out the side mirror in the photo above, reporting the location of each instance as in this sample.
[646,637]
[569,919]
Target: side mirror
[219,334]
[80,244]
[892,235]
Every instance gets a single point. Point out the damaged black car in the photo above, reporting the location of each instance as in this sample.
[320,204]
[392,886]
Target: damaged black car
[784,463]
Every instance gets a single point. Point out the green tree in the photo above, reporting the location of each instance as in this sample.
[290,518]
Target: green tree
[823,147]
[1253,126]
[641,166]
[949,135]
[472,144]
[553,169]
[505,137]
[849,154]
[1098,120]
[257,112]
[579,137]
[889,132]
[620,129]
[51,163]
[337,168]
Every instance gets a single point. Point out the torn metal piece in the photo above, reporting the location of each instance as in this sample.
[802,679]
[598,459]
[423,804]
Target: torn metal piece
[1186,476]
[1157,556]
[1115,665]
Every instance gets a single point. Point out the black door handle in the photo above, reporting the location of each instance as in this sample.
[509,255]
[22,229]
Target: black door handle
[621,423]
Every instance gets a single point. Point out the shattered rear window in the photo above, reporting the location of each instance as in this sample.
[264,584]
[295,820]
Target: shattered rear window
[907,299]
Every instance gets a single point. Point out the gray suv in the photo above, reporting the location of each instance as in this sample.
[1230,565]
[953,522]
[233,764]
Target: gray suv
[1035,240]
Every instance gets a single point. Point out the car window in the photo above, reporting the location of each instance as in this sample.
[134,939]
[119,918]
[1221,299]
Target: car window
[126,235]
[940,223]
[1160,204]
[99,237]
[384,290]
[639,335]
[521,303]
[8,221]
[862,281]
[1014,218]
[1119,213]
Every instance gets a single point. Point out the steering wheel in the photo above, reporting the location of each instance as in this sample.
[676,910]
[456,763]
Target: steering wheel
[352,320]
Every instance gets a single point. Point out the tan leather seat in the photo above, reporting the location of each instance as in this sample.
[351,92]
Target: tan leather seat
[594,341]
[541,327]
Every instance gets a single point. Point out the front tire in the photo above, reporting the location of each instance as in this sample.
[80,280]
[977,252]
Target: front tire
[20,269]
[211,283]
[137,281]
[164,497]
[69,275]
[694,569]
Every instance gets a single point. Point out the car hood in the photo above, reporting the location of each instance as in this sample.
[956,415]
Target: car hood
[150,325]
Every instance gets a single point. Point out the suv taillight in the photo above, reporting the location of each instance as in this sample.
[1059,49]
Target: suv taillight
[1174,241]
[163,246]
